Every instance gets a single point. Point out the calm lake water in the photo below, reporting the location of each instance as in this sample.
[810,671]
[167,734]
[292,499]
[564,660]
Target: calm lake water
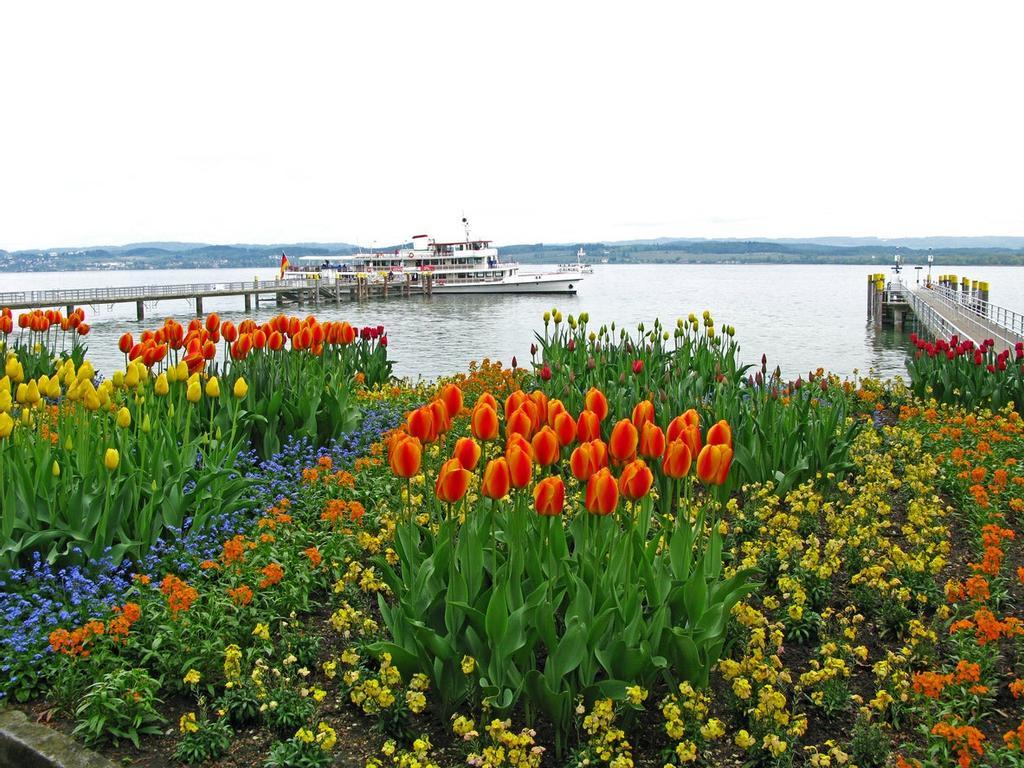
[802,317]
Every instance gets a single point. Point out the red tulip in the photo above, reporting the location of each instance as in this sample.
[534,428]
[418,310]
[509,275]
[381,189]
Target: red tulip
[636,480]
[125,343]
[467,451]
[638,366]
[452,481]
[497,479]
[713,464]
[602,493]
[549,496]
[623,442]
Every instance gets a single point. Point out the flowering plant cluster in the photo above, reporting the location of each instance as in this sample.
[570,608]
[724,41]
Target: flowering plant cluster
[960,372]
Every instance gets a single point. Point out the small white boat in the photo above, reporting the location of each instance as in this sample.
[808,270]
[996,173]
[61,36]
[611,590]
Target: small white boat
[467,266]
[580,267]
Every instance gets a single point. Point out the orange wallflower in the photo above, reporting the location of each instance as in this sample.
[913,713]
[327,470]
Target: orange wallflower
[240,595]
[272,574]
[315,558]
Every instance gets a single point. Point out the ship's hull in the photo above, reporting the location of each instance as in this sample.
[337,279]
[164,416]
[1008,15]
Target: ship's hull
[520,284]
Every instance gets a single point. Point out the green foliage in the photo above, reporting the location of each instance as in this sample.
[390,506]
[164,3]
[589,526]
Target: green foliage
[869,746]
[120,705]
[209,741]
[287,710]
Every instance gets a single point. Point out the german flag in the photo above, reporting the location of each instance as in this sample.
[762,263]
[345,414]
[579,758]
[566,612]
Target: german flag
[284,265]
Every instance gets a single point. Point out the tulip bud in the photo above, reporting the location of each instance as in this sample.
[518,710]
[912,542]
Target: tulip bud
[145,424]
[241,388]
[194,392]
[160,386]
[111,459]
[55,470]
[212,385]
[6,425]
[124,418]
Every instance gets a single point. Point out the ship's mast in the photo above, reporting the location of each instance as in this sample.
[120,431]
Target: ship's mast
[465,226]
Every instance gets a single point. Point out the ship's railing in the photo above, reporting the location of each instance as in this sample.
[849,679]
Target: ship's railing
[50,298]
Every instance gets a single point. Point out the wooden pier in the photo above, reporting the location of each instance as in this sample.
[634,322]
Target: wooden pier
[948,307]
[289,292]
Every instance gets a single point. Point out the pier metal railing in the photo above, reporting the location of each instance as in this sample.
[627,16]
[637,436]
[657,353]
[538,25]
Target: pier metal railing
[961,302]
[50,298]
[937,324]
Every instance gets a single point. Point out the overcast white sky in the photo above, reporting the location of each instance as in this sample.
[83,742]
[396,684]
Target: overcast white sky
[551,121]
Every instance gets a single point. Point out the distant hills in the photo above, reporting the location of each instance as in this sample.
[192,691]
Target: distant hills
[825,250]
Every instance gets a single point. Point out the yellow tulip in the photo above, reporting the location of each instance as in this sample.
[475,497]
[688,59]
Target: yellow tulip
[6,401]
[21,394]
[172,373]
[194,393]
[6,425]
[131,376]
[111,459]
[32,395]
[68,444]
[182,371]
[86,372]
[26,417]
[91,400]
[13,369]
[241,388]
[53,389]
[124,418]
[118,379]
[161,387]
[213,387]
[56,469]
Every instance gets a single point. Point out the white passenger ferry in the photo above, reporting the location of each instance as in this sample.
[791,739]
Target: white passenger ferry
[580,267]
[467,266]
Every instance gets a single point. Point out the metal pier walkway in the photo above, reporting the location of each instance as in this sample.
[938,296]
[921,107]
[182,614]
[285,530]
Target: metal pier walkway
[945,312]
[300,291]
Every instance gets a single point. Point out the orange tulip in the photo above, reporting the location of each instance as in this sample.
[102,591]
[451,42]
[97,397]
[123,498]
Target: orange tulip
[228,331]
[597,402]
[442,421]
[513,401]
[643,412]
[405,456]
[519,423]
[486,398]
[420,424]
[652,441]
[545,447]
[691,436]
[451,396]
[588,427]
[275,341]
[555,407]
[125,343]
[602,493]
[581,462]
[549,496]
[483,423]
[213,322]
[679,423]
[622,445]
[565,428]
[347,334]
[497,479]
[636,480]
[713,464]
[516,439]
[720,434]
[452,481]
[467,451]
[540,411]
[677,461]
[520,466]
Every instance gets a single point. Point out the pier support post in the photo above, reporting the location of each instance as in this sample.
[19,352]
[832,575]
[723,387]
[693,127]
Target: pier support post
[897,318]
[140,311]
[69,309]
[248,302]
[199,306]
